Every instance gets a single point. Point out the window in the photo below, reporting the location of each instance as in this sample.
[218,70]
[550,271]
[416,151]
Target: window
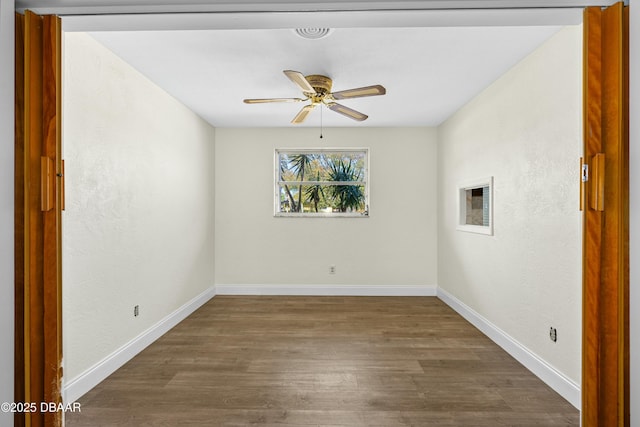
[476,206]
[322,182]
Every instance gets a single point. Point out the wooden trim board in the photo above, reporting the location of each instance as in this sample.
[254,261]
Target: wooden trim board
[605,374]
[38,349]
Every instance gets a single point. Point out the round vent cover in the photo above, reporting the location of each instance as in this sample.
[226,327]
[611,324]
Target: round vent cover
[313,33]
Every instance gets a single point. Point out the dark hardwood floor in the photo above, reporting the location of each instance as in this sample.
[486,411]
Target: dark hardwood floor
[323,361]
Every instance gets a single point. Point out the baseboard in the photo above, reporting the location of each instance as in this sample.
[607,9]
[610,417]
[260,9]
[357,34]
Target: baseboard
[84,382]
[564,386]
[328,290]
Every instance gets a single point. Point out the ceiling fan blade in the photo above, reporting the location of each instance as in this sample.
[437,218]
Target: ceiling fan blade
[300,81]
[346,111]
[374,90]
[265,100]
[302,114]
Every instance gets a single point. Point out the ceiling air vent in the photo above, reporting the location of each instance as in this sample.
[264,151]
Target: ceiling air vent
[313,33]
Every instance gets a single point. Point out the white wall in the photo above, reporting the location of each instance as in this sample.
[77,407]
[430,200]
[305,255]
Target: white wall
[6,207]
[138,225]
[395,246]
[525,131]
[634,300]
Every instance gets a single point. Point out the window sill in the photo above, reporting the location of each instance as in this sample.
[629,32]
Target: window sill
[321,215]
[477,229]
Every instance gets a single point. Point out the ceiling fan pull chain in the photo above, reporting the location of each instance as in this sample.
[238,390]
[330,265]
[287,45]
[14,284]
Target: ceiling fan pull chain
[321,120]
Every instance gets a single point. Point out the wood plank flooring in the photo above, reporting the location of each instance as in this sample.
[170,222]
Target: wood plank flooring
[323,361]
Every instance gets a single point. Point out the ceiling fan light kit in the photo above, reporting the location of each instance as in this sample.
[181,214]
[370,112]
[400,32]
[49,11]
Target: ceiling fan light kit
[317,89]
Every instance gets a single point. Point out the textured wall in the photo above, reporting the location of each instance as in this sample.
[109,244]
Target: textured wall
[138,225]
[525,131]
[396,245]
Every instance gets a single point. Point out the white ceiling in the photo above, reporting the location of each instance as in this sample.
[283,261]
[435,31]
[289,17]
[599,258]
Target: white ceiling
[431,61]
[429,73]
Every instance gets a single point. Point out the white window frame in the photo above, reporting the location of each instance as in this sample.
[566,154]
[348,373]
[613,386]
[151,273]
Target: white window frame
[277,183]
[462,206]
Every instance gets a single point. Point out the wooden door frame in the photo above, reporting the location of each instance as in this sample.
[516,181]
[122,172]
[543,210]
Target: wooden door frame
[605,323]
[38,204]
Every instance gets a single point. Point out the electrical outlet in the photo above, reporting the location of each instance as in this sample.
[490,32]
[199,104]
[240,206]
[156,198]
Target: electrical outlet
[553,334]
[136,311]
[332,269]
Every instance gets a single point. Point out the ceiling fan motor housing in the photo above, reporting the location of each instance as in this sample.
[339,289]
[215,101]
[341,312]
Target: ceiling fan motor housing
[321,84]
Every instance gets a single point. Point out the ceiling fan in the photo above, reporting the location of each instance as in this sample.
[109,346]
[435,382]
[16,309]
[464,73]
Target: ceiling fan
[317,89]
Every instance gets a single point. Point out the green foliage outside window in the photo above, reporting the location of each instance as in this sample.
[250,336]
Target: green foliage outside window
[322,182]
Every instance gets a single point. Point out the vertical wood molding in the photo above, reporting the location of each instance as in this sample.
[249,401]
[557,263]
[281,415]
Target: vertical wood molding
[615,254]
[19,221]
[46,183]
[38,266]
[52,289]
[592,219]
[605,385]
[597,179]
[624,265]
[33,308]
